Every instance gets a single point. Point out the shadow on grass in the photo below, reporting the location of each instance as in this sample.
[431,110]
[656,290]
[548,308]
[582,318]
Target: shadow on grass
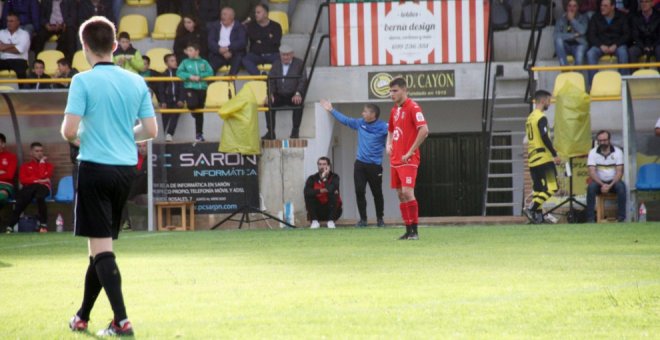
[4,265]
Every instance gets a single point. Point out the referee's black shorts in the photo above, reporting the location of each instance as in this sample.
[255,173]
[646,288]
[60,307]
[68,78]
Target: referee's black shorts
[102,193]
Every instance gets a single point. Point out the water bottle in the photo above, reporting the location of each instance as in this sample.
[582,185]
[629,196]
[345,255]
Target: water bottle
[642,212]
[59,222]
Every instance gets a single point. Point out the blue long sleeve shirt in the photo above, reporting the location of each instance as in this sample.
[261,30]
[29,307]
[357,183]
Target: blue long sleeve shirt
[371,137]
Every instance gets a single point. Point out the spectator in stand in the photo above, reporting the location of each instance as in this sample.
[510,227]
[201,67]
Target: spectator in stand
[35,178]
[14,48]
[206,10]
[286,91]
[609,33]
[90,8]
[27,12]
[605,163]
[588,7]
[265,36]
[169,6]
[322,198]
[8,165]
[193,70]
[38,72]
[60,18]
[64,71]
[571,34]
[627,7]
[226,41]
[244,9]
[127,56]
[147,71]
[170,96]
[645,26]
[190,30]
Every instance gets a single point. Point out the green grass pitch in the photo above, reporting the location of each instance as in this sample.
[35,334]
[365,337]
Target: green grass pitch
[551,281]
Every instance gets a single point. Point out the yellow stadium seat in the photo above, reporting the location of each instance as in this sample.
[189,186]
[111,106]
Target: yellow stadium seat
[259,89]
[135,25]
[54,38]
[139,2]
[608,59]
[224,69]
[645,88]
[4,88]
[264,67]
[7,74]
[575,78]
[606,84]
[281,18]
[218,93]
[646,72]
[80,62]
[279,1]
[156,55]
[50,58]
[165,26]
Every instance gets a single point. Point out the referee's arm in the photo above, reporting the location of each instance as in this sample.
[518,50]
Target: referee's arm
[69,128]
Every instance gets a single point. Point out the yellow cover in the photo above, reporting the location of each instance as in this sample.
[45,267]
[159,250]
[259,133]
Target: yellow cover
[572,122]
[240,131]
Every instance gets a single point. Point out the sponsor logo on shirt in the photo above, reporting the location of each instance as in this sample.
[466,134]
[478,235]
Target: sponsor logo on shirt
[397,134]
[420,117]
[408,180]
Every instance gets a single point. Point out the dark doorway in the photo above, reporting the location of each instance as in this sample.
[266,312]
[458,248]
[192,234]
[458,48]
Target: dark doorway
[450,178]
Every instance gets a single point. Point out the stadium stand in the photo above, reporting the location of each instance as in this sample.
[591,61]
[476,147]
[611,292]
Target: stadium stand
[50,58]
[606,84]
[135,25]
[165,26]
[218,93]
[575,78]
[281,18]
[156,55]
[80,62]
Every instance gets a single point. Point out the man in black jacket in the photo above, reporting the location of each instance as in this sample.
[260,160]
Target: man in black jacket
[61,21]
[609,33]
[265,36]
[645,33]
[288,80]
[322,198]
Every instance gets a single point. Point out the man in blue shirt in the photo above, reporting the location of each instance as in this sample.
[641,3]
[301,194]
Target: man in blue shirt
[368,168]
[102,108]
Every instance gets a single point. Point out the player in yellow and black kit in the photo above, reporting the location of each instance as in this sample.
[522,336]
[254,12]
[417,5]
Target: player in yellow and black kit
[541,157]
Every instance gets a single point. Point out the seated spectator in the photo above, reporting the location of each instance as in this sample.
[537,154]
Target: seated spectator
[8,165]
[190,31]
[645,26]
[169,6]
[27,12]
[627,7]
[605,164]
[127,56]
[139,185]
[227,40]
[35,178]
[571,34]
[148,72]
[38,72]
[206,10]
[14,48]
[193,70]
[244,9]
[60,18]
[90,8]
[170,96]
[322,198]
[288,80]
[608,33]
[265,36]
[64,71]
[588,7]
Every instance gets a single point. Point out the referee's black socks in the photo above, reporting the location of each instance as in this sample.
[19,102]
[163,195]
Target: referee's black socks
[92,289]
[108,273]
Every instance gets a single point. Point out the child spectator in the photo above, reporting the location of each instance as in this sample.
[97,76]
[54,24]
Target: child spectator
[126,56]
[64,71]
[38,72]
[170,96]
[148,72]
[192,70]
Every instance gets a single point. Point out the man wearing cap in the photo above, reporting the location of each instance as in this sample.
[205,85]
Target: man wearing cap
[288,81]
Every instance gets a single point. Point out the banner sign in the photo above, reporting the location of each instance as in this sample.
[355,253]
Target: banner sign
[419,32]
[218,182]
[441,83]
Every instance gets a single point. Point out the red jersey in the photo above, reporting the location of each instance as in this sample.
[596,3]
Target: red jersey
[32,171]
[8,164]
[403,125]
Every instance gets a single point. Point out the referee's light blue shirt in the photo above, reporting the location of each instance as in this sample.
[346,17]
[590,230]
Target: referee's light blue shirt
[371,137]
[110,100]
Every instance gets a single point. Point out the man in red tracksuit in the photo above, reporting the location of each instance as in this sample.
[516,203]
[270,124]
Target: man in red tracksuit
[35,178]
[8,165]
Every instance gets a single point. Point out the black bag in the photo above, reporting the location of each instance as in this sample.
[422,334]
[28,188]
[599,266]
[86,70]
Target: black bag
[28,224]
[501,15]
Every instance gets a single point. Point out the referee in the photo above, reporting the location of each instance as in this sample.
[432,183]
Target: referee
[102,109]
[368,168]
